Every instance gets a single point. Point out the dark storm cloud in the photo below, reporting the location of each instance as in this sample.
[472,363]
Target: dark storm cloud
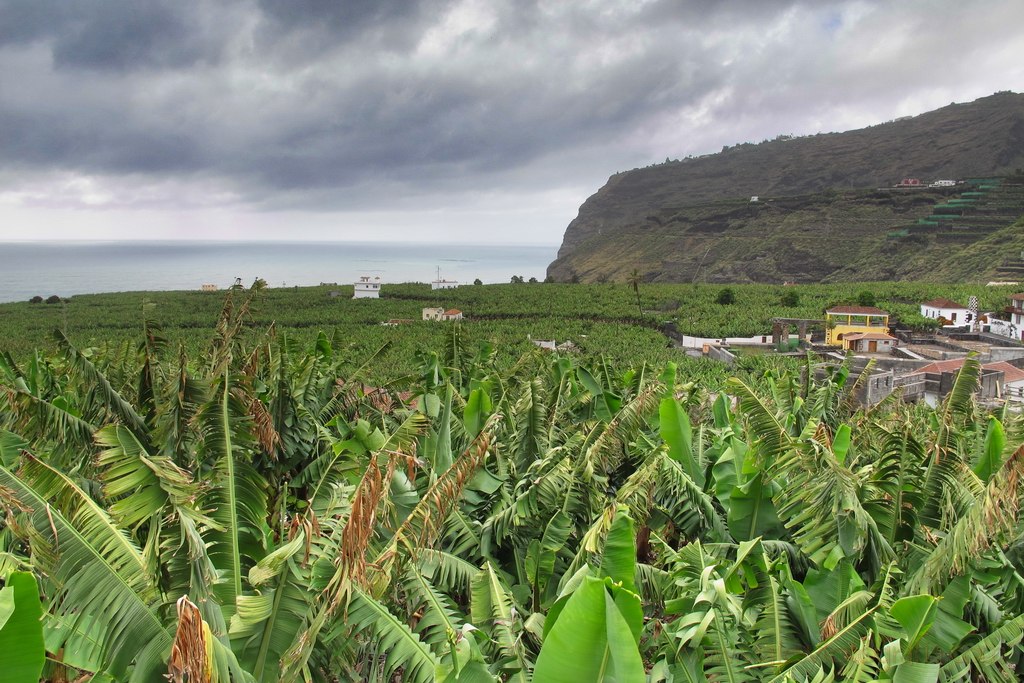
[341,103]
[113,34]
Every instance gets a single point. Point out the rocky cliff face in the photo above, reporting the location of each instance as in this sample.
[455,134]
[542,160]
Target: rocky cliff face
[819,210]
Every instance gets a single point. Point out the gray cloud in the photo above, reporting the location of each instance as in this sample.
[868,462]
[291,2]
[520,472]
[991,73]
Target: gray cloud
[116,34]
[325,105]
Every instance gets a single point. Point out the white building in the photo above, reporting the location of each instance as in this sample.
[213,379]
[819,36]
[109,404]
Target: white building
[869,342]
[1017,310]
[367,288]
[444,284]
[945,309]
[1015,325]
[441,314]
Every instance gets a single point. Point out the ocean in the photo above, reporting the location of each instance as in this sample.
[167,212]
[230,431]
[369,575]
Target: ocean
[28,269]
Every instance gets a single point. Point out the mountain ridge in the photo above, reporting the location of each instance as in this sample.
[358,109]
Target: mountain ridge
[673,222]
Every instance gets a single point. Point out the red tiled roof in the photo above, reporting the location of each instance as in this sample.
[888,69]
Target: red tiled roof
[952,365]
[1016,297]
[943,303]
[1010,373]
[453,311]
[863,310]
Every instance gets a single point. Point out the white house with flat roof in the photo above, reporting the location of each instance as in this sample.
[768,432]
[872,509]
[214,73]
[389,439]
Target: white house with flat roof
[444,284]
[366,287]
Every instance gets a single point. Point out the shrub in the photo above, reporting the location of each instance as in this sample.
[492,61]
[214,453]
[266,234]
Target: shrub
[36,299]
[790,299]
[726,297]
[478,281]
[866,298]
[53,299]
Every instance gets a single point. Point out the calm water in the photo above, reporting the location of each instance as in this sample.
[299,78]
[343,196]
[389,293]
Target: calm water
[28,269]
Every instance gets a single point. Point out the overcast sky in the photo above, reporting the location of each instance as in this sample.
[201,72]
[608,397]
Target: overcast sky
[463,121]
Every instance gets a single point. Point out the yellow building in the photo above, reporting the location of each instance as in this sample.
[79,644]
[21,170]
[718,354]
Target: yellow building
[868,327]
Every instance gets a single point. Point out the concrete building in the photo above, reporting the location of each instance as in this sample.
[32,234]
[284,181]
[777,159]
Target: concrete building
[367,288]
[452,314]
[209,288]
[1013,381]
[998,380]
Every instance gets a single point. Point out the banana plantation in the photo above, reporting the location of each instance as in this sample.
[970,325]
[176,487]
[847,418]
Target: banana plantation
[263,512]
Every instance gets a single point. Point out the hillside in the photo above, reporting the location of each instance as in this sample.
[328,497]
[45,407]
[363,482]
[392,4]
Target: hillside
[819,214]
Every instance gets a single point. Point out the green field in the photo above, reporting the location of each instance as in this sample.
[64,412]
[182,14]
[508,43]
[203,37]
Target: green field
[599,318]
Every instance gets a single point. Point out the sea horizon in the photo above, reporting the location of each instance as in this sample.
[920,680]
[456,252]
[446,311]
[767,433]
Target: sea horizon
[72,267]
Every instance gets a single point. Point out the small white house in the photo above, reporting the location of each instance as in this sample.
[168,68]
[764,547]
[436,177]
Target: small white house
[442,314]
[444,284]
[945,309]
[944,183]
[869,342]
[367,288]
[209,288]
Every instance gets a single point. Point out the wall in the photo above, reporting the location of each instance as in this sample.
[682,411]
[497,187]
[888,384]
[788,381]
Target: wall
[912,387]
[998,353]
[1002,328]
[876,387]
[721,355]
[689,342]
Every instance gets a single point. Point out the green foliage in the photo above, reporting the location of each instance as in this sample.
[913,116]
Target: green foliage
[21,629]
[866,297]
[544,517]
[726,297]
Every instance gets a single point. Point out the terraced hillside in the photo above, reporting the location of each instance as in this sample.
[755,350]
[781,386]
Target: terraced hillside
[819,215]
